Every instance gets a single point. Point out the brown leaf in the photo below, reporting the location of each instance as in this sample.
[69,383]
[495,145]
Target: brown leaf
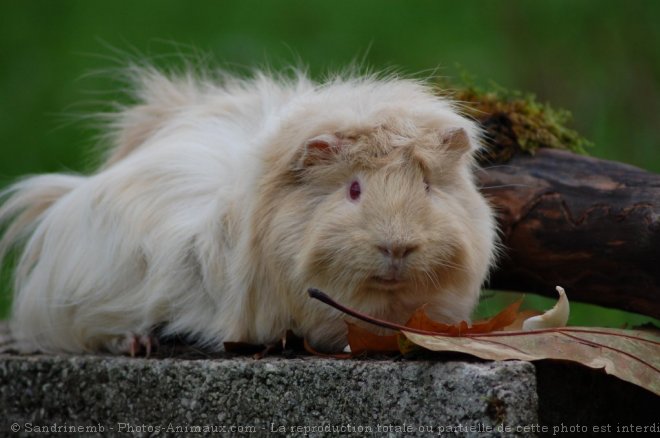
[632,356]
[362,340]
[499,321]
[420,320]
[629,355]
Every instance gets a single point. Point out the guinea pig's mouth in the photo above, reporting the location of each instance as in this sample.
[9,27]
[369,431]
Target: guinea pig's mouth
[387,282]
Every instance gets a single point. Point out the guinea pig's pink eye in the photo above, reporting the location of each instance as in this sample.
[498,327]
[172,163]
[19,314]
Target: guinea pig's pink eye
[354,191]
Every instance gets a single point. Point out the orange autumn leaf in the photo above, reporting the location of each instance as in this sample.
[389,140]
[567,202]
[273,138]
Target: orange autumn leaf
[498,322]
[632,356]
[421,321]
[362,340]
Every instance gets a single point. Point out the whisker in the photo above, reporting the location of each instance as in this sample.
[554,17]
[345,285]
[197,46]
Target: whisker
[450,265]
[433,279]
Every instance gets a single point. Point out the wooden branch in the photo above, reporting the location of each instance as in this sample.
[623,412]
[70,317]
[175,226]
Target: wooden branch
[589,225]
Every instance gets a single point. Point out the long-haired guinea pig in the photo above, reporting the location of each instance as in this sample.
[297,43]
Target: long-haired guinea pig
[222,201]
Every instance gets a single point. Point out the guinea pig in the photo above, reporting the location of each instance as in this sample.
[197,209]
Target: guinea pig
[221,201]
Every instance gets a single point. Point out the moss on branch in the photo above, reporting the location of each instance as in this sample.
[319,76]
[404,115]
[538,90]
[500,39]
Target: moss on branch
[516,122]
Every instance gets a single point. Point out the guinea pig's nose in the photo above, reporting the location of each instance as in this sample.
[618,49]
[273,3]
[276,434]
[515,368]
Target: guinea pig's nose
[396,251]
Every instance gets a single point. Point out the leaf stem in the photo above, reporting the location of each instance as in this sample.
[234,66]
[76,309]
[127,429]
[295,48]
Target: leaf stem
[323,297]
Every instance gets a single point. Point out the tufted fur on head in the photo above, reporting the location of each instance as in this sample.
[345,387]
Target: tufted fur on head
[222,202]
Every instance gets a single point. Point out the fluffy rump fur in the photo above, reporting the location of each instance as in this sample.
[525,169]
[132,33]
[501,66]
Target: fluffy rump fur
[221,202]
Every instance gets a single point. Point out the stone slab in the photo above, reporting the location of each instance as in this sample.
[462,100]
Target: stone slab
[286,397]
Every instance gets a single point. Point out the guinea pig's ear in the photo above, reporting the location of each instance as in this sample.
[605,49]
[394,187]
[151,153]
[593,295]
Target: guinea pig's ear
[320,149]
[456,140]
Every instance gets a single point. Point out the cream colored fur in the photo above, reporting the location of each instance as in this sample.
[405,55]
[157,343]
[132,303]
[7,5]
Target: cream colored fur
[214,213]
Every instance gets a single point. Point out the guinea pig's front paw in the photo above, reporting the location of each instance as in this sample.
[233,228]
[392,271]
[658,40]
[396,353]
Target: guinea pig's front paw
[135,345]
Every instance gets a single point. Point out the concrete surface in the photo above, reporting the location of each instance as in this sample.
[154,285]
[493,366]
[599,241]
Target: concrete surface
[272,395]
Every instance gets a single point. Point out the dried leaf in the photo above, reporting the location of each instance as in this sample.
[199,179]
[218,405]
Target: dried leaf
[629,355]
[500,321]
[555,317]
[420,320]
[362,340]
[633,356]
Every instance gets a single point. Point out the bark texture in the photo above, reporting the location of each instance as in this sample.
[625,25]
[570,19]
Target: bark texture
[589,225]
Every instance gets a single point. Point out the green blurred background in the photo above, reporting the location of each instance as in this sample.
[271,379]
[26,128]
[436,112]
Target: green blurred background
[599,59]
